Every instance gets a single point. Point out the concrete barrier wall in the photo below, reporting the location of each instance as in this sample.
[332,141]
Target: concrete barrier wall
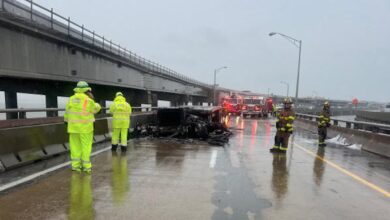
[378,117]
[372,142]
[24,145]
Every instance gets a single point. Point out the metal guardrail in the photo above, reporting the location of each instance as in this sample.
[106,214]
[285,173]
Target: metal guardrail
[358,125]
[48,18]
[53,112]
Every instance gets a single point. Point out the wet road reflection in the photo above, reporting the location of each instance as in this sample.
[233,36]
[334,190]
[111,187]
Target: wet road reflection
[169,156]
[120,184]
[81,199]
[319,166]
[234,194]
[279,177]
[267,139]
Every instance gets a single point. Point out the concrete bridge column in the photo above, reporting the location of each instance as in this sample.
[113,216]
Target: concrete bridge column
[11,101]
[147,97]
[188,99]
[153,98]
[51,102]
[184,100]
[136,97]
[196,100]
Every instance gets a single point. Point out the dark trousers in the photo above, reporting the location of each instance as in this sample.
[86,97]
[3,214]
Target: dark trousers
[281,139]
[322,133]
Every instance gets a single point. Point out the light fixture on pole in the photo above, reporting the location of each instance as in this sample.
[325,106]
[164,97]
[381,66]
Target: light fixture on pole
[298,44]
[215,83]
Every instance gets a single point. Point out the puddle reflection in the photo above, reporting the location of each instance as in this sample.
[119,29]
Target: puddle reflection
[279,177]
[319,167]
[120,183]
[81,200]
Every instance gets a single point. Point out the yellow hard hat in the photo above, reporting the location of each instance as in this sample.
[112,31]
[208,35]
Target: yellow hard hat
[82,87]
[118,94]
[287,101]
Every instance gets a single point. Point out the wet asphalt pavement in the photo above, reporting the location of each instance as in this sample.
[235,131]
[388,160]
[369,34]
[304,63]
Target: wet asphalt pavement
[170,179]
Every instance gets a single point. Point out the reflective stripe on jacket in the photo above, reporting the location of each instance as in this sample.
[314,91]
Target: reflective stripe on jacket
[285,120]
[121,111]
[324,119]
[79,113]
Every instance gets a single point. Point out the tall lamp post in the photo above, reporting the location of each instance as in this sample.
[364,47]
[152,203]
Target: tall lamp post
[288,87]
[215,83]
[298,44]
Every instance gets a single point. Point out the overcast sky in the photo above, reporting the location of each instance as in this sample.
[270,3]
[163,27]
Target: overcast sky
[345,53]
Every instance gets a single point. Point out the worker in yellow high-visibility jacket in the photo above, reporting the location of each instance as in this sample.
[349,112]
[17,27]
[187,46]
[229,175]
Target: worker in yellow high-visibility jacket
[79,115]
[121,111]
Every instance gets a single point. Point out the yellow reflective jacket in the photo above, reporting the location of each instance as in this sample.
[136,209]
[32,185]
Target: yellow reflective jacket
[324,119]
[285,120]
[79,113]
[121,111]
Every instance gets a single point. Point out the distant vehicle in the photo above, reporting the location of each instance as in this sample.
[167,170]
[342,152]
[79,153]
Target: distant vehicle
[254,107]
[232,104]
[269,104]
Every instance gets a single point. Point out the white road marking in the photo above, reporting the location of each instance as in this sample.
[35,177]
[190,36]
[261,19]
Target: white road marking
[43,172]
[213,158]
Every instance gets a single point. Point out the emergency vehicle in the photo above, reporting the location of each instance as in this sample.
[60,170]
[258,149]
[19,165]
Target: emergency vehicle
[269,104]
[254,106]
[232,104]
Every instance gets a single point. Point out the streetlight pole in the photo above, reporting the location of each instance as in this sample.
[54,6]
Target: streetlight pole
[298,44]
[288,86]
[215,83]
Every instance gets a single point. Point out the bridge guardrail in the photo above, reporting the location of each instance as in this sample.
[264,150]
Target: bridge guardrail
[53,112]
[56,22]
[358,125]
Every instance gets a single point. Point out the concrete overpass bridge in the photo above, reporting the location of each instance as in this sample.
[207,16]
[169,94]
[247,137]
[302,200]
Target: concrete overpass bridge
[46,53]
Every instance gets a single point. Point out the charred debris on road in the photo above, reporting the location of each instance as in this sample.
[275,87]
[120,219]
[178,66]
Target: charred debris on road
[202,123]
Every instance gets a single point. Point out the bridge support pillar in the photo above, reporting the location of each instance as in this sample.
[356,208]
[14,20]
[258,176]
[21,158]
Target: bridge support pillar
[142,97]
[152,98]
[11,101]
[102,103]
[51,102]
[187,99]
[198,100]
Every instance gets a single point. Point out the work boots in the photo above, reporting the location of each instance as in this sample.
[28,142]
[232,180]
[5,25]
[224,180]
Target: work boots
[114,147]
[322,145]
[274,149]
[123,149]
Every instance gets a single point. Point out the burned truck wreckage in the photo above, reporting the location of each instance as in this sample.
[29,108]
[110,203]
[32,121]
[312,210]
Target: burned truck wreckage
[202,123]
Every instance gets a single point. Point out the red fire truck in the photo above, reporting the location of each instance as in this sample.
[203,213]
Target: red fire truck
[232,104]
[269,104]
[254,106]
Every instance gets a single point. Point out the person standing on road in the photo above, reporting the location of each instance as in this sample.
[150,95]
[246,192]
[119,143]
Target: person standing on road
[121,111]
[284,126]
[323,124]
[79,117]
